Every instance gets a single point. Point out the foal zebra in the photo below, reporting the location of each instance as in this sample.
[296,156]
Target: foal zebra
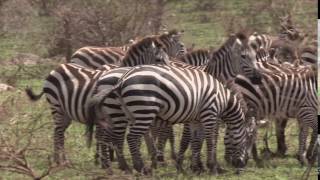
[95,57]
[171,95]
[69,87]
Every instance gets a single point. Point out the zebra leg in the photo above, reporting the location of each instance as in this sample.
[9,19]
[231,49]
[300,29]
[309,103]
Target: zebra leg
[184,143]
[103,145]
[111,154]
[172,143]
[312,149]
[119,141]
[162,139]
[151,148]
[307,118]
[255,156]
[211,134]
[164,134]
[281,124]
[303,134]
[196,146]
[134,142]
[98,148]
[267,153]
[61,124]
[312,153]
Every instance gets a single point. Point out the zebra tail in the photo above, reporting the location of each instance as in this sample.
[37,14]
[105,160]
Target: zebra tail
[95,114]
[89,134]
[32,96]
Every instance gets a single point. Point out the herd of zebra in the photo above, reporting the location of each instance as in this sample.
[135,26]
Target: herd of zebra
[153,83]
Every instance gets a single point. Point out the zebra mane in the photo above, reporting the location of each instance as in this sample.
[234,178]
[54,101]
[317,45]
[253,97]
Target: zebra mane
[142,44]
[232,38]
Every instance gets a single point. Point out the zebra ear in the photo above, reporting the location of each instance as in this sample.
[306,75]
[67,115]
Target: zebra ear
[153,46]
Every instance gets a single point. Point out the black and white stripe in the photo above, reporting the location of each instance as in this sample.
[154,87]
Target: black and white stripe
[285,92]
[69,87]
[95,57]
[173,95]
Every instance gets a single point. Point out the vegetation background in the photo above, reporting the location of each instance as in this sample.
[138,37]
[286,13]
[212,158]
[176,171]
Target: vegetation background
[38,35]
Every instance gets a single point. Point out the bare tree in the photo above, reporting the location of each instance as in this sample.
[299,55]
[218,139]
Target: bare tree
[113,23]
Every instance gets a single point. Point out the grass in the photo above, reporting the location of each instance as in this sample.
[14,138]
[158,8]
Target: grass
[23,115]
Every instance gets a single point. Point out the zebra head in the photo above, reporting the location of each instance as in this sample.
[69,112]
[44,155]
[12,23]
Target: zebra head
[242,61]
[230,59]
[172,44]
[238,155]
[146,51]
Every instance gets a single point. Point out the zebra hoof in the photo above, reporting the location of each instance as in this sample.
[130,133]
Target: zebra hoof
[260,163]
[125,168]
[173,156]
[154,164]
[267,153]
[311,157]
[180,169]
[302,159]
[160,158]
[146,171]
[109,171]
[216,170]
[280,154]
[197,170]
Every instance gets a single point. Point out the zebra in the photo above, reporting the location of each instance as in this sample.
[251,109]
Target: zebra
[308,56]
[69,87]
[285,91]
[287,53]
[173,95]
[227,62]
[224,64]
[196,58]
[282,50]
[95,57]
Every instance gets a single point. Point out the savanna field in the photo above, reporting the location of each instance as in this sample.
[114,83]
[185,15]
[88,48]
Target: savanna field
[36,36]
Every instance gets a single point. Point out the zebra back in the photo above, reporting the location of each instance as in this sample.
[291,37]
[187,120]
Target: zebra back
[95,57]
[196,57]
[180,87]
[309,56]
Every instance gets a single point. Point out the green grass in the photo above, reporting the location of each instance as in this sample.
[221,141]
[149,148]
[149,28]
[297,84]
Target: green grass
[23,115]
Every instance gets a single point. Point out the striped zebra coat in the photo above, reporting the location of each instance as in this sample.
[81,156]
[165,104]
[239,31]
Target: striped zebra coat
[286,91]
[95,57]
[228,56]
[283,49]
[69,87]
[171,95]
[225,63]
